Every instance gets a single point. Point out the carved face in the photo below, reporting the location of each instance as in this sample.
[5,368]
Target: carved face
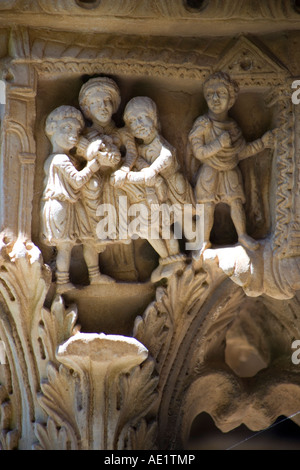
[100,106]
[66,133]
[217,97]
[142,126]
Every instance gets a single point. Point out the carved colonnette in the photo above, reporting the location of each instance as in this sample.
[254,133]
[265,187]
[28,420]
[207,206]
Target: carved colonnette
[60,383]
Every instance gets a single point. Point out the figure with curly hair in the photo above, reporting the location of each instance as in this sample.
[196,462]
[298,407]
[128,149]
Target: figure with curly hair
[65,221]
[218,144]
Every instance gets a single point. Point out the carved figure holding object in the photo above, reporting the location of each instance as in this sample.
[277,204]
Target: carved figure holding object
[99,99]
[217,142]
[156,169]
[65,221]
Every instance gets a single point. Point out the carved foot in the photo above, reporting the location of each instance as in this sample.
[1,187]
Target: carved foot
[62,288]
[248,242]
[168,267]
[102,279]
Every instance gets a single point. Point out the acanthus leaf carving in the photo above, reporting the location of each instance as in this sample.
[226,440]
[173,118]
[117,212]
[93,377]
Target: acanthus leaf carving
[138,396]
[75,395]
[57,326]
[101,374]
[57,399]
[53,438]
[205,359]
[181,333]
[143,436]
[23,285]
[57,391]
[166,320]
[8,438]
[81,379]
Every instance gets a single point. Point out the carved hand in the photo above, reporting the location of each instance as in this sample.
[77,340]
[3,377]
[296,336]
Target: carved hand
[118,178]
[94,147]
[225,140]
[268,139]
[106,158]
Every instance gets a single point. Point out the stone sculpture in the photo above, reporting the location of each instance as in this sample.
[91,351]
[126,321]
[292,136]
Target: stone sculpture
[65,218]
[217,142]
[219,336]
[156,157]
[156,171]
[99,99]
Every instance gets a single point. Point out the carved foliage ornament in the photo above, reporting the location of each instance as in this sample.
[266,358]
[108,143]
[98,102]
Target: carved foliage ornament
[63,389]
[56,379]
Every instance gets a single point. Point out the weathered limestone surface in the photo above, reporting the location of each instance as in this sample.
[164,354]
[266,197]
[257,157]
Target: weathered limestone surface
[113,115]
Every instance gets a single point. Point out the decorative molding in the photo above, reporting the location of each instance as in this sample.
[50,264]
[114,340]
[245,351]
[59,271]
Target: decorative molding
[209,9]
[244,57]
[118,67]
[285,170]
[27,161]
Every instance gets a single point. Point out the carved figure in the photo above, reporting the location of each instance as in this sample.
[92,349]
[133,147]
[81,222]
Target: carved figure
[65,220]
[217,142]
[157,158]
[92,191]
[99,99]
[159,173]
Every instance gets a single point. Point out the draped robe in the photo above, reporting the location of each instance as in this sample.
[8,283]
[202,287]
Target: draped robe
[219,178]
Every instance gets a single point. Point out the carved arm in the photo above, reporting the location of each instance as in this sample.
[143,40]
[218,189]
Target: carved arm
[204,151]
[76,178]
[252,148]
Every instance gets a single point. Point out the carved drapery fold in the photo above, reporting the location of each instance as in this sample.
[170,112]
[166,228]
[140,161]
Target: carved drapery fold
[63,389]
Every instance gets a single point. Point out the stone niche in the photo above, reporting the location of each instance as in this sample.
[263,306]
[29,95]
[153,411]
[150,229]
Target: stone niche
[90,364]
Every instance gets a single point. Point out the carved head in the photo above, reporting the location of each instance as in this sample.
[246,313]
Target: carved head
[140,115]
[63,126]
[99,98]
[220,92]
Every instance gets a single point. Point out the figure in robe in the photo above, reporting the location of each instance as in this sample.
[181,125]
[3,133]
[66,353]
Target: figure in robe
[65,221]
[157,172]
[99,99]
[217,142]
